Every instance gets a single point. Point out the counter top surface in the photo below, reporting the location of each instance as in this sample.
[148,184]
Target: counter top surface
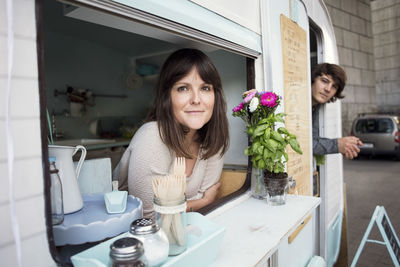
[254,230]
[118,142]
[93,144]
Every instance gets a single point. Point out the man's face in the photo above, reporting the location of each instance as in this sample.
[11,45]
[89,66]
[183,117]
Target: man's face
[323,89]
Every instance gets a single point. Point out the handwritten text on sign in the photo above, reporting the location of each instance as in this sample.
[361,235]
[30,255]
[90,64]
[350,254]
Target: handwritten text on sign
[296,100]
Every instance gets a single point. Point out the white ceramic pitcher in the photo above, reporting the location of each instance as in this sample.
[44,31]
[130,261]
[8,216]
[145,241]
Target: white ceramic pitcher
[72,197]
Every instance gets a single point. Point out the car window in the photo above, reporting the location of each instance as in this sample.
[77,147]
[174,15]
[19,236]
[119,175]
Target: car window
[381,125]
[385,126]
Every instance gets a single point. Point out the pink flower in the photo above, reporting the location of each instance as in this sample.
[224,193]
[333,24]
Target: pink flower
[238,108]
[249,96]
[249,91]
[269,99]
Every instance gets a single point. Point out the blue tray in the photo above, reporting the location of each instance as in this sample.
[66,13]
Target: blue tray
[203,242]
[92,223]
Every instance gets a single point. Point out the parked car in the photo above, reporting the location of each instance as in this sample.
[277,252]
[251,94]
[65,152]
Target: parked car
[379,133]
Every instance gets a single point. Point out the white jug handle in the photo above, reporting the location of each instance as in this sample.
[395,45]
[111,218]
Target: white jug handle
[80,162]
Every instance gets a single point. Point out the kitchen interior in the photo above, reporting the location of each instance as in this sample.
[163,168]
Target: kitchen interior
[99,82]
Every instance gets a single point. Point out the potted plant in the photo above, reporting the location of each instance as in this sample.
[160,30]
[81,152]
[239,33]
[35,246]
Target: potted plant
[268,142]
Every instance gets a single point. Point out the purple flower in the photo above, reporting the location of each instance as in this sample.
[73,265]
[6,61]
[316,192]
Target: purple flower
[238,108]
[249,96]
[269,99]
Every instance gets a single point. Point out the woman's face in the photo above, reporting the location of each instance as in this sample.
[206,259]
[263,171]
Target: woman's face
[192,100]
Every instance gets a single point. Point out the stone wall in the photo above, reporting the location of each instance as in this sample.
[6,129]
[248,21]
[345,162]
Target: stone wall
[353,31]
[385,16]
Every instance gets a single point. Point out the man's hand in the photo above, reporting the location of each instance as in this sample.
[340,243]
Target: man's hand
[349,146]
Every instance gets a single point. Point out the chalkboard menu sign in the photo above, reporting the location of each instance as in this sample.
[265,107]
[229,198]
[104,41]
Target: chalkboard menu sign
[390,239]
[391,236]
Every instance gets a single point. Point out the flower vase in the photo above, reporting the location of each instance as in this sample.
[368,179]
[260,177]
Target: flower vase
[277,189]
[258,189]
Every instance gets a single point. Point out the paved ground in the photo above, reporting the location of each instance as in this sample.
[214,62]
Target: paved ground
[371,182]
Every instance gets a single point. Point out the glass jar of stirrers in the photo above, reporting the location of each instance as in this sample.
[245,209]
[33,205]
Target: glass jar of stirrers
[170,206]
[171,216]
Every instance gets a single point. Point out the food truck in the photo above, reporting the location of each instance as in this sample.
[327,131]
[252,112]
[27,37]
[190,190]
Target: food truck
[82,72]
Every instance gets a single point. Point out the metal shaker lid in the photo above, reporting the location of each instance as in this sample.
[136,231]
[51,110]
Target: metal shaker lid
[126,249]
[144,226]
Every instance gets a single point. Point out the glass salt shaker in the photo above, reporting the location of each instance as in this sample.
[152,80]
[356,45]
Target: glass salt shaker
[127,252]
[171,216]
[154,240]
[57,208]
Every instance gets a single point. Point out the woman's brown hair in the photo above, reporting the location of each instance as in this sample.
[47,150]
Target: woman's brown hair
[336,72]
[214,135]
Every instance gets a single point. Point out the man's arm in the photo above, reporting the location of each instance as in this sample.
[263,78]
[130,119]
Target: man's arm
[323,146]
[348,146]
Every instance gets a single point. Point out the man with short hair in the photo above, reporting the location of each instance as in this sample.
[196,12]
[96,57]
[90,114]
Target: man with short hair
[328,81]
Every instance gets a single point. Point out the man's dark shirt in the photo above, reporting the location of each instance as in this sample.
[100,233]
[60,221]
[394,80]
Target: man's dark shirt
[321,145]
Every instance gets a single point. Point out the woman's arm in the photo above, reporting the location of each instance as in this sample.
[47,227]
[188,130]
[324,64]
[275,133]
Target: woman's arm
[208,197]
[208,190]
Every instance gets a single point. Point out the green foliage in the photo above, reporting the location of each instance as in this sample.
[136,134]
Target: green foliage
[320,159]
[268,146]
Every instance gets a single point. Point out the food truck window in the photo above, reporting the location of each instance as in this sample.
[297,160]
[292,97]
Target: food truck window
[96,85]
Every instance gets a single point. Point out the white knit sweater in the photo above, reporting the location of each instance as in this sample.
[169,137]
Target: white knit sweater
[148,157]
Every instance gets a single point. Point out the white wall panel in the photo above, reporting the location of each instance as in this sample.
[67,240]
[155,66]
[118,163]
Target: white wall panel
[3,17]
[24,11]
[3,84]
[39,256]
[30,212]
[3,182]
[27,140]
[334,164]
[25,58]
[28,178]
[8,255]
[3,141]
[6,230]
[24,98]
[247,15]
[3,55]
